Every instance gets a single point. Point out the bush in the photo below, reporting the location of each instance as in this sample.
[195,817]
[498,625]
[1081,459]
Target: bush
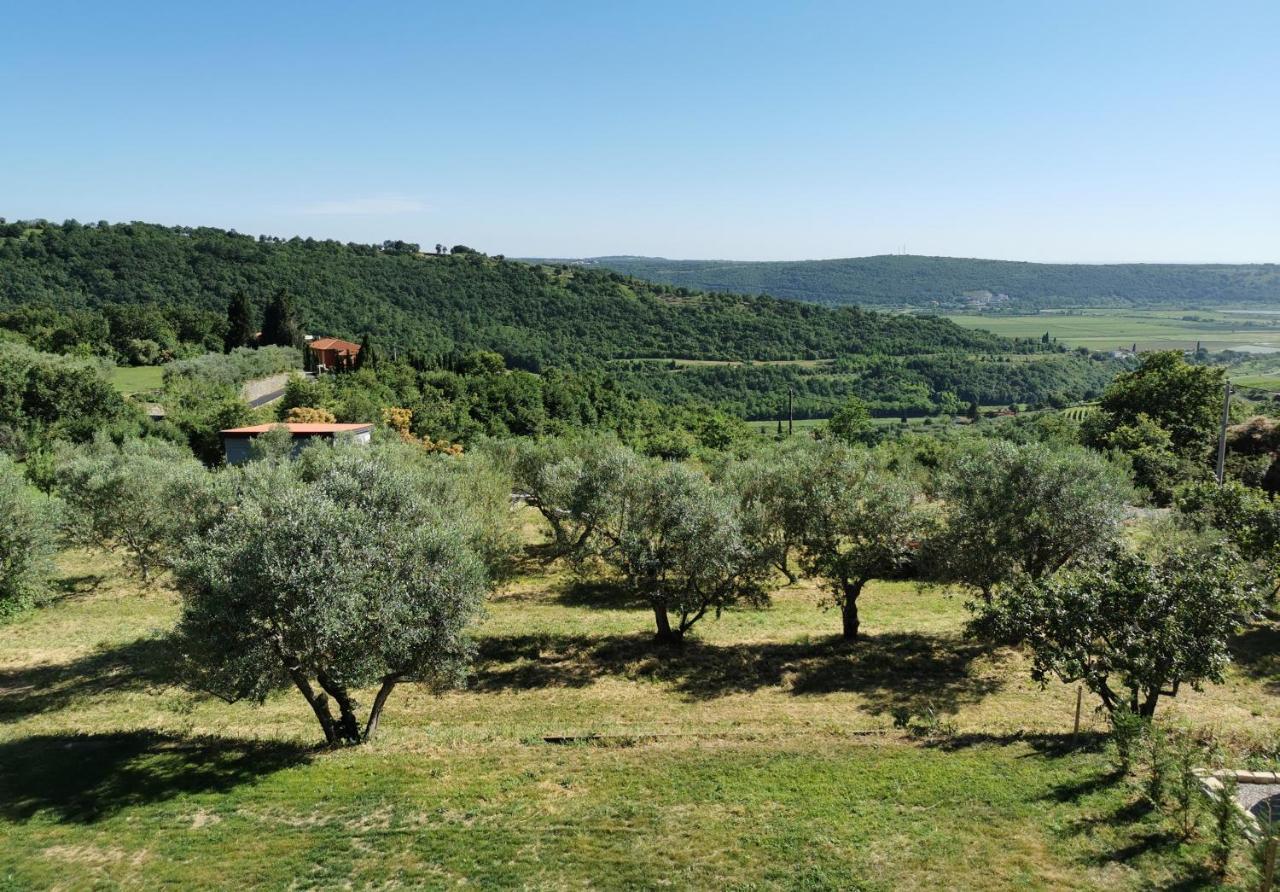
[234,368]
[1127,730]
[26,541]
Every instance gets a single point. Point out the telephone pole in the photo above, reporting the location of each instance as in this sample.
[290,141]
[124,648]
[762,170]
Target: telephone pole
[791,415]
[1222,430]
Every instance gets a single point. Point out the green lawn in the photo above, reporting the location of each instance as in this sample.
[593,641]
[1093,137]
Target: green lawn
[762,756]
[139,379]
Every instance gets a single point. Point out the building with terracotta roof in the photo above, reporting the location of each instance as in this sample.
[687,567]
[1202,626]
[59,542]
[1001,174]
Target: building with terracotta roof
[237,442]
[333,353]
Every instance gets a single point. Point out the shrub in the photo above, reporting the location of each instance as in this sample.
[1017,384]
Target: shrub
[309,415]
[26,540]
[1127,729]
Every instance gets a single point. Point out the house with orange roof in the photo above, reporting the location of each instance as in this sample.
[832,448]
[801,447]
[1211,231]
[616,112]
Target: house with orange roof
[330,354]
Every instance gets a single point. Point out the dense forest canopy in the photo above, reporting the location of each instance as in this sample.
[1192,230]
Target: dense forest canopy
[531,314]
[912,281]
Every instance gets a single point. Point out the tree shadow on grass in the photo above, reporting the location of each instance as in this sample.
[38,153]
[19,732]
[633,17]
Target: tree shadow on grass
[1042,744]
[890,671]
[1256,651]
[141,664]
[82,779]
[82,584]
[1132,832]
[601,595]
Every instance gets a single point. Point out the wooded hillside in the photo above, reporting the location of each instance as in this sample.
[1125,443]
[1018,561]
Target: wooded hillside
[907,280]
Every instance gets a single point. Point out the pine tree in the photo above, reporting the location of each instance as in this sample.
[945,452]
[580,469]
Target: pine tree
[239,324]
[280,323]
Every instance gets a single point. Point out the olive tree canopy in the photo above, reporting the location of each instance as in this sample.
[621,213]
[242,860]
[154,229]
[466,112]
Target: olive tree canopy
[1023,511]
[345,569]
[858,522]
[1131,625]
[673,536]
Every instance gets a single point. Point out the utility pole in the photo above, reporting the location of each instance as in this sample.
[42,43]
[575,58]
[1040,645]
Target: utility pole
[1222,430]
[791,415]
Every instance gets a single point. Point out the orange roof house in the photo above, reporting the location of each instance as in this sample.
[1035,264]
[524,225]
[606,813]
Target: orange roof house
[333,353]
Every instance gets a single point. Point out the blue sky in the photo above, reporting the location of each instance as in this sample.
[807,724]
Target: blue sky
[1068,131]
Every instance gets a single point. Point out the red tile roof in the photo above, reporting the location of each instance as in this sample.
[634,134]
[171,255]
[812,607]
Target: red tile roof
[297,428]
[335,344]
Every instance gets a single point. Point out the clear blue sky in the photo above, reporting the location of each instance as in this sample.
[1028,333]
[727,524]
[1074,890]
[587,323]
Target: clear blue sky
[1088,131]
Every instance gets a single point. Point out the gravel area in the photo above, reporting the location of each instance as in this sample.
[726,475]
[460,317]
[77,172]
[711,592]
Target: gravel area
[1255,798]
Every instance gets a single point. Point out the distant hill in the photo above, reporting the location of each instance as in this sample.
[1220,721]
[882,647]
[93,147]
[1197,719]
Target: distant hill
[959,283]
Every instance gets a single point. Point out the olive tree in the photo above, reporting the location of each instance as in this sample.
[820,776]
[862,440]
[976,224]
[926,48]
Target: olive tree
[672,536]
[342,570]
[548,473]
[771,504]
[1013,511]
[859,522]
[26,540]
[131,496]
[1131,625]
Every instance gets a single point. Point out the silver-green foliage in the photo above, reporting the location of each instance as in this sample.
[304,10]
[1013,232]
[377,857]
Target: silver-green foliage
[1023,512]
[27,540]
[349,567]
[858,521]
[673,537]
[138,496]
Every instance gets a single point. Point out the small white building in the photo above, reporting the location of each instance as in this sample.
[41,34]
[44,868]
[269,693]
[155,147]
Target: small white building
[237,442]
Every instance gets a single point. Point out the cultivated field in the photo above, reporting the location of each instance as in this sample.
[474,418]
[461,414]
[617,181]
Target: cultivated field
[765,755]
[1150,329]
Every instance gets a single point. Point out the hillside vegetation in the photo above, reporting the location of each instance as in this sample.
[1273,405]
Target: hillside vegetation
[533,315]
[913,281]
[144,294]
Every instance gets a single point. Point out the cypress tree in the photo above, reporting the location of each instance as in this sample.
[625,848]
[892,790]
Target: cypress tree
[239,324]
[366,356]
[280,323]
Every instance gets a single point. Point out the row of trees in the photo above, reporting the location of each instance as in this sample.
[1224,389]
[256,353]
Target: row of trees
[353,567]
[1034,533]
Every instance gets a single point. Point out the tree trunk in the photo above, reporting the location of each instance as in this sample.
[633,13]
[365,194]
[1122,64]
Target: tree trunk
[1147,709]
[665,632]
[319,704]
[348,726]
[785,566]
[849,609]
[388,685]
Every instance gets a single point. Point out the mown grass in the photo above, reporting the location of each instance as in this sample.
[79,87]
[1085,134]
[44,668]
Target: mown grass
[762,755]
[137,379]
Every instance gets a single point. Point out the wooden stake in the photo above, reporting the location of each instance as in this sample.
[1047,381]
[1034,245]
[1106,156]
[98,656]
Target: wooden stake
[1075,731]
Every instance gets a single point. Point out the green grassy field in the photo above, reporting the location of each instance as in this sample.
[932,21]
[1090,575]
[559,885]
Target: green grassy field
[1150,329]
[129,379]
[761,756]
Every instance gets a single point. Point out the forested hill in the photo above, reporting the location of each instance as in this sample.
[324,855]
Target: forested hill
[953,282]
[532,314]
